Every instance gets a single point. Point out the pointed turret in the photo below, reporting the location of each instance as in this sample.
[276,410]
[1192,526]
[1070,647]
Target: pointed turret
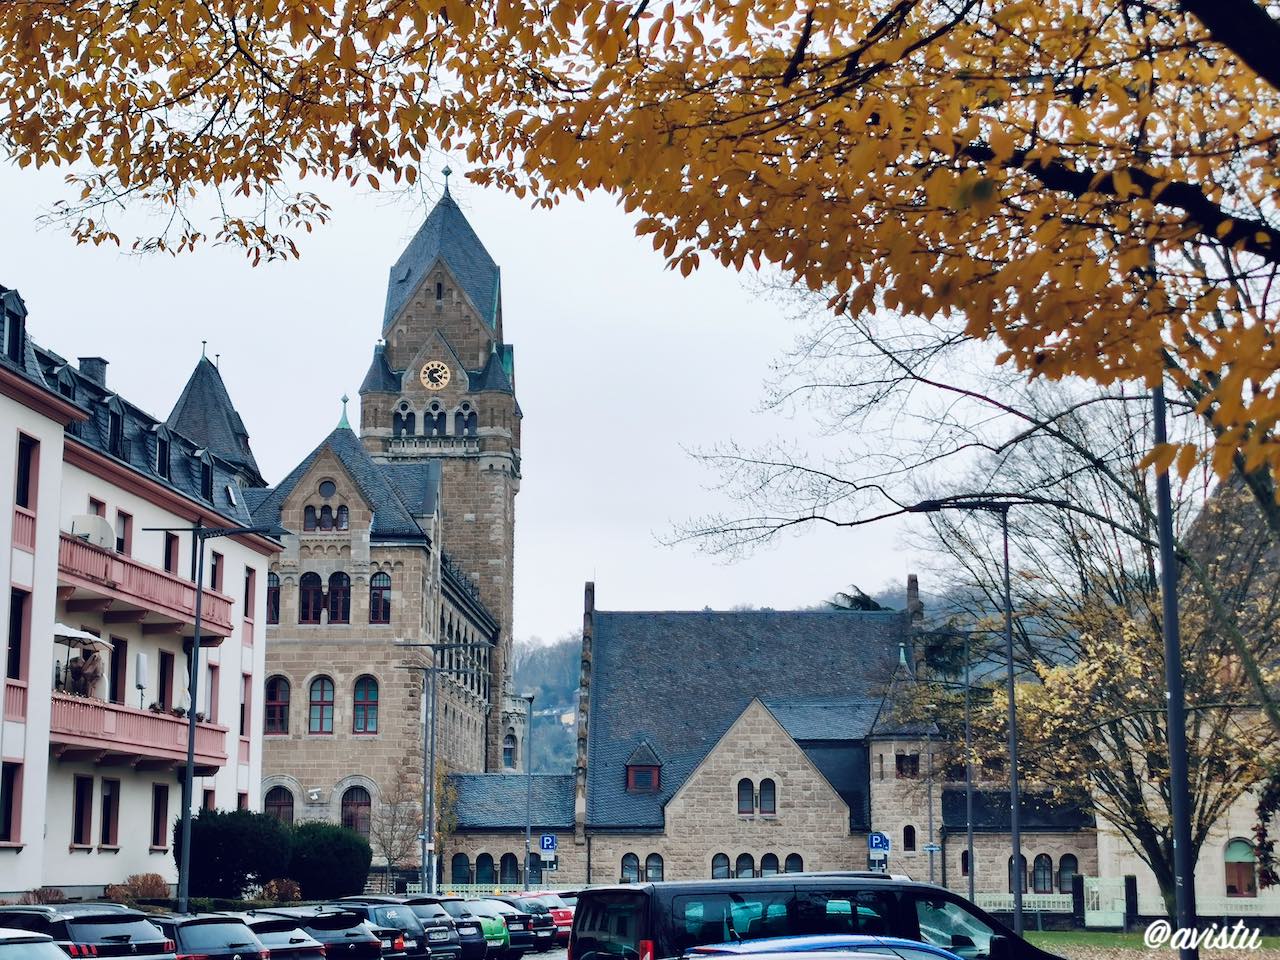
[204,413]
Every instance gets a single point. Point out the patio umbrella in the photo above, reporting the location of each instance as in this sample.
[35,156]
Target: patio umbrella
[80,639]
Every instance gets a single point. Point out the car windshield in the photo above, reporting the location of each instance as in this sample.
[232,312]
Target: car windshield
[501,907]
[402,918]
[216,935]
[429,911]
[334,921]
[482,908]
[42,950]
[108,928]
[534,906]
[553,901]
[456,908]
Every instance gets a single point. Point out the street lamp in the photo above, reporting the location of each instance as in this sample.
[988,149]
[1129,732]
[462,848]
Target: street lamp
[1000,507]
[528,792]
[199,534]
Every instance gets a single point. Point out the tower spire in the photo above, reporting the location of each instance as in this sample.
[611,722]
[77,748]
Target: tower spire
[448,171]
[343,424]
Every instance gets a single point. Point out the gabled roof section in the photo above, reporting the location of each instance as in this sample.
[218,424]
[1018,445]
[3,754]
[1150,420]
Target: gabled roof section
[678,681]
[392,517]
[418,484]
[206,414]
[492,801]
[831,718]
[380,378]
[446,235]
[643,756]
[493,376]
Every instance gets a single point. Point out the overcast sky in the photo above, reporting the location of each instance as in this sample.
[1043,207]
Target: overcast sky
[621,365]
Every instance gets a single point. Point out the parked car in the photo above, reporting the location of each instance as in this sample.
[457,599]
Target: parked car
[561,913]
[25,945]
[657,921]
[210,936]
[541,922]
[345,934]
[283,937]
[855,946]
[444,934]
[92,929]
[403,937]
[519,936]
[493,936]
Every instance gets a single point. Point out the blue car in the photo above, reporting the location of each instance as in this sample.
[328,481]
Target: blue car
[853,945]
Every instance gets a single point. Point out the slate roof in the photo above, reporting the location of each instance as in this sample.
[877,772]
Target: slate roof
[643,756]
[493,376]
[380,378]
[991,812]
[678,680]
[491,801]
[204,412]
[832,718]
[446,235]
[418,484]
[392,516]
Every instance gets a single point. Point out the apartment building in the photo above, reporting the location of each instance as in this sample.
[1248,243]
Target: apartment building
[98,499]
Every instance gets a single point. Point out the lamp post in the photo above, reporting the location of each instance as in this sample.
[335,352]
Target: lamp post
[1000,507]
[427,871]
[199,534]
[528,793]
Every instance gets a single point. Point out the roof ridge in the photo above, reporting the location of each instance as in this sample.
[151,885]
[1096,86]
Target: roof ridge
[206,414]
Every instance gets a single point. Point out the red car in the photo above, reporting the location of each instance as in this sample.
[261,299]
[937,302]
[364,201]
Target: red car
[561,913]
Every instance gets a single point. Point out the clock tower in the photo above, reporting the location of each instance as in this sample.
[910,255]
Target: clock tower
[441,388]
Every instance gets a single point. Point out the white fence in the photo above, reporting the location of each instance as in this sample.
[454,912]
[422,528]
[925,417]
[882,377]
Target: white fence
[1104,902]
[482,890]
[1041,902]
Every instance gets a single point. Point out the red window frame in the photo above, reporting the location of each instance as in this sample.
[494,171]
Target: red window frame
[164,693]
[320,723]
[109,828]
[27,475]
[746,798]
[97,507]
[364,715]
[10,802]
[277,706]
[279,804]
[644,778]
[339,598]
[250,591]
[18,655]
[273,598]
[159,816]
[171,553]
[357,810]
[216,565]
[380,598]
[124,533]
[310,598]
[82,811]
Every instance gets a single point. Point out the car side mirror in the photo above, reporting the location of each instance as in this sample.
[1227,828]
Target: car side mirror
[960,940]
[999,948]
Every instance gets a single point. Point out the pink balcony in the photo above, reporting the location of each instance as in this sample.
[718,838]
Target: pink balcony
[15,700]
[85,729]
[102,578]
[24,529]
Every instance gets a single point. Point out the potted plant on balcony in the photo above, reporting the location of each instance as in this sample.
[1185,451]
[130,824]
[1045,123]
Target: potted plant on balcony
[179,712]
[155,707]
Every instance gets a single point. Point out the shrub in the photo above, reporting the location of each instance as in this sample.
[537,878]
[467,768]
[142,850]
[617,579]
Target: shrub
[118,893]
[232,850]
[282,890]
[331,861]
[43,895]
[147,886]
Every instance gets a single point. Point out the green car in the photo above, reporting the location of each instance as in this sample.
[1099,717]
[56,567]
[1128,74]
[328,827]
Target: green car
[496,935]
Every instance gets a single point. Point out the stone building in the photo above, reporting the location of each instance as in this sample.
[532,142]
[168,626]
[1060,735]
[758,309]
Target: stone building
[717,744]
[401,532]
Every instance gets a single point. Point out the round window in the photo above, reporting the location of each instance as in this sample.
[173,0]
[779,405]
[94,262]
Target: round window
[328,488]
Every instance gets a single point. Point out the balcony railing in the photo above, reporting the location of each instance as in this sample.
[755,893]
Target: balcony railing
[15,700]
[103,571]
[24,528]
[114,729]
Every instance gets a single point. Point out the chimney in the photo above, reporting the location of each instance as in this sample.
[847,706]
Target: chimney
[95,368]
[584,705]
[915,608]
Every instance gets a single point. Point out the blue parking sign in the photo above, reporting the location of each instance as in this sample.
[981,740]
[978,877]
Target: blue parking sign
[548,842]
[878,841]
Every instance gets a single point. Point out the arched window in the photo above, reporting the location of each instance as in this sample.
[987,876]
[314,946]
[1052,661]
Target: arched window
[720,867]
[308,518]
[470,426]
[356,809]
[1068,867]
[433,421]
[746,796]
[745,866]
[277,704]
[1242,869]
[380,598]
[326,517]
[768,797]
[486,876]
[459,423]
[320,708]
[908,837]
[460,869]
[509,750]
[535,871]
[279,804]
[310,598]
[509,870]
[630,868]
[1042,874]
[964,863]
[273,598]
[339,597]
[1023,871]
[769,865]
[364,718]
[795,863]
[344,517]
[403,424]
[653,868]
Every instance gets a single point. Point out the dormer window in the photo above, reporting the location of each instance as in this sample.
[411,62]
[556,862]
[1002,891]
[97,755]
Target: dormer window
[162,456]
[643,778]
[15,323]
[67,383]
[206,477]
[115,428]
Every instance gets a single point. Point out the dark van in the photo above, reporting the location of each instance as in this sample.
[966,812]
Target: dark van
[658,921]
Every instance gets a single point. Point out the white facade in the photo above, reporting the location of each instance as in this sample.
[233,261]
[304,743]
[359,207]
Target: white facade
[68,753]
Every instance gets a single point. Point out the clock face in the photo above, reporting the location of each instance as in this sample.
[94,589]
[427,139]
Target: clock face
[435,375]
